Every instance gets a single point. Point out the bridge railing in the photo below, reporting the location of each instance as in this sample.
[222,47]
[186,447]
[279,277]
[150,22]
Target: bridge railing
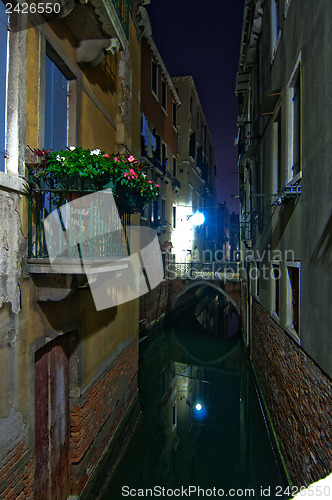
[205,270]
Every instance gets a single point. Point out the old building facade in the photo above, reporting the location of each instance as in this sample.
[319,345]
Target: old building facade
[69,372]
[285,221]
[196,171]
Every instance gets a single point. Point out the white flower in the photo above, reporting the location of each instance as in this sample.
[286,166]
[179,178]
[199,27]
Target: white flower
[95,152]
[72,148]
[58,158]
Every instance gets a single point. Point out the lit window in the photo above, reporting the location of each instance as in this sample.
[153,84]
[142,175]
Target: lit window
[154,78]
[3,80]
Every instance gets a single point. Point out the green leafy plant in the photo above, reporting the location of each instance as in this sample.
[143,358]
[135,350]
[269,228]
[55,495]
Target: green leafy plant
[125,173]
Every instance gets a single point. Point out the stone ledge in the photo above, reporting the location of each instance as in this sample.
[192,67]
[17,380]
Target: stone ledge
[13,183]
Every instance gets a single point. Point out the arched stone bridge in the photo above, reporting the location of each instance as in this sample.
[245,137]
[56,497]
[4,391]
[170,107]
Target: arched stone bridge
[223,277]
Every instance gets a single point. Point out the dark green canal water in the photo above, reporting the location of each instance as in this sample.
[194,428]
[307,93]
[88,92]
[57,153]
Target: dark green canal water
[202,432]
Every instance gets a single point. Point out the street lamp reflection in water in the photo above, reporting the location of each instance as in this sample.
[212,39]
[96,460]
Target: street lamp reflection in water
[199,413]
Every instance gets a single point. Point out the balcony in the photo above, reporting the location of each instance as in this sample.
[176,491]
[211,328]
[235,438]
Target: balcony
[66,227]
[158,167]
[98,26]
[288,194]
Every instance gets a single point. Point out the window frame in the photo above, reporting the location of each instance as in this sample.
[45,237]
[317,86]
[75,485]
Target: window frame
[296,76]
[4,95]
[293,327]
[192,144]
[275,26]
[163,97]
[174,115]
[276,289]
[154,78]
[174,166]
[277,176]
[55,64]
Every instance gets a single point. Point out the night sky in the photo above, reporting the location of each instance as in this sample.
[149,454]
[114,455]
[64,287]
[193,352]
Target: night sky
[202,39]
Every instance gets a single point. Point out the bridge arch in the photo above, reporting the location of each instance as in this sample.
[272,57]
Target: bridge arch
[209,284]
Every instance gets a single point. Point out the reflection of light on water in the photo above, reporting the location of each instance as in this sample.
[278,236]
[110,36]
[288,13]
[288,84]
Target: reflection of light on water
[200,413]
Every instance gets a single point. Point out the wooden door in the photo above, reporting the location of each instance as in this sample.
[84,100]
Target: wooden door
[52,480]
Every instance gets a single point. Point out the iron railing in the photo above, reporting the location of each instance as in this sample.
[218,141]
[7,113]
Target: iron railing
[205,270]
[82,224]
[122,10]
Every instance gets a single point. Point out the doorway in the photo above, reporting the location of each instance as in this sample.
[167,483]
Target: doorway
[52,474]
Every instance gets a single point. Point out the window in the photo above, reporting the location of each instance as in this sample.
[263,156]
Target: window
[163,211]
[3,84]
[174,216]
[192,145]
[163,95]
[157,150]
[155,211]
[277,152]
[174,416]
[154,78]
[163,154]
[191,104]
[293,296]
[174,117]
[294,119]
[174,166]
[276,289]
[275,20]
[56,107]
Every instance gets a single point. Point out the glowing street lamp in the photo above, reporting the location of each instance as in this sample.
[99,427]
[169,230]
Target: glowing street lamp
[197,219]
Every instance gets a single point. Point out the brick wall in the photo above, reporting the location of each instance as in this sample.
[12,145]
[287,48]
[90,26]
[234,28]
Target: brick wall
[298,395]
[97,414]
[16,474]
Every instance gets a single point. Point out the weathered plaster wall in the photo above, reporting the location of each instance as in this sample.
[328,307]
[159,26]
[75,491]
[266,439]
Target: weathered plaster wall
[304,226]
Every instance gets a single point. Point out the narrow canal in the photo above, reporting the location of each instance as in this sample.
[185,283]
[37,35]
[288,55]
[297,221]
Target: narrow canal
[202,424]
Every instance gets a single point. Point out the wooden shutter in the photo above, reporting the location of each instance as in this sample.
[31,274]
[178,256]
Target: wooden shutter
[3,72]
[56,107]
